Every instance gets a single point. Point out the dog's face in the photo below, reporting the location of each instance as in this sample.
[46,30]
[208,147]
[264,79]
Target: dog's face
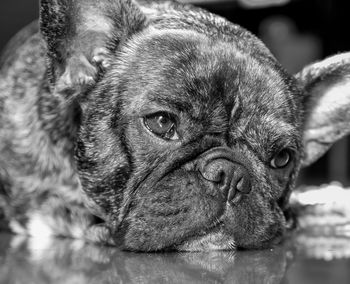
[190,141]
[205,154]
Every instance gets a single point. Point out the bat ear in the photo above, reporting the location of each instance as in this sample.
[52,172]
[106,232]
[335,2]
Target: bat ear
[325,88]
[80,36]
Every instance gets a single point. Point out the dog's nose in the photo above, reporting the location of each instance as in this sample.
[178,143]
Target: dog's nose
[228,176]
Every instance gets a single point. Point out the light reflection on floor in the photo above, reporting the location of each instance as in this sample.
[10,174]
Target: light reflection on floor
[301,259]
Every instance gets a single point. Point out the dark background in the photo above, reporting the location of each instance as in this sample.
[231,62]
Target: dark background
[297,32]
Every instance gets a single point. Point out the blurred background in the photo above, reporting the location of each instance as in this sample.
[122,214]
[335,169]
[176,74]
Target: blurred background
[297,32]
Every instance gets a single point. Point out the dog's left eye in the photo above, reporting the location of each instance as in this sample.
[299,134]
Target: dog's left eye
[281,159]
[162,124]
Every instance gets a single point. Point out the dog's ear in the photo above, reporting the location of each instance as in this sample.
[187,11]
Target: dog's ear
[81,34]
[326,101]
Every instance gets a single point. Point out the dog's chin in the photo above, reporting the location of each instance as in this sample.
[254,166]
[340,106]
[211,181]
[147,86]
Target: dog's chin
[214,240]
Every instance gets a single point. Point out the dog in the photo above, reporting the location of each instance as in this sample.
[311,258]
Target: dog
[156,126]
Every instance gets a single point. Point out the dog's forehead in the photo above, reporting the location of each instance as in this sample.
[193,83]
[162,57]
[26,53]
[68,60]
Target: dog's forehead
[199,75]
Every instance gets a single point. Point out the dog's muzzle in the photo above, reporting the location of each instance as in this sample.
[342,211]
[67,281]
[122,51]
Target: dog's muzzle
[227,171]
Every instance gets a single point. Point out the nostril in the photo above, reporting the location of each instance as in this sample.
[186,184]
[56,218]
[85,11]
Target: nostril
[221,177]
[243,183]
[239,185]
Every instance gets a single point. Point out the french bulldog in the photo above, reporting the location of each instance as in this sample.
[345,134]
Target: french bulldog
[157,126]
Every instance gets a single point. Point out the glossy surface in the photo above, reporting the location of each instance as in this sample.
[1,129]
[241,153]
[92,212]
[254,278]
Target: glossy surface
[303,258]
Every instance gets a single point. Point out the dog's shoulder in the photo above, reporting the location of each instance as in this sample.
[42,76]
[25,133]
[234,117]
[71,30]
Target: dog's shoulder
[31,160]
[26,44]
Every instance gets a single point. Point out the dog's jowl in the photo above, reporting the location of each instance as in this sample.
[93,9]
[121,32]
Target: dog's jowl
[157,126]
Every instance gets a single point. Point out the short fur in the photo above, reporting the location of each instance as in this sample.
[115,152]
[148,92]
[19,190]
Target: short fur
[76,158]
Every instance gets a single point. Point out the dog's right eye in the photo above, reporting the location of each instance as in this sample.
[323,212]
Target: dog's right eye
[162,124]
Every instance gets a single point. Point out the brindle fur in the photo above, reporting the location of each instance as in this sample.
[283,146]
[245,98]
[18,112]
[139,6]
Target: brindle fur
[76,161]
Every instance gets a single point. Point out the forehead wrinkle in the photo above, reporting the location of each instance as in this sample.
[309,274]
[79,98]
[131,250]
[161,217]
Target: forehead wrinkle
[267,130]
[172,102]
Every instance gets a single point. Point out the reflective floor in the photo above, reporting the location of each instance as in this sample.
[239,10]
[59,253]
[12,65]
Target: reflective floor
[304,258]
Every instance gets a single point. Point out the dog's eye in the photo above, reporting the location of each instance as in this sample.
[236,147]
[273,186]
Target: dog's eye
[281,159]
[162,124]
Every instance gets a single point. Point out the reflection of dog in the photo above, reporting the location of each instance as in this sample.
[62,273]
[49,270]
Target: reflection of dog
[65,261]
[187,133]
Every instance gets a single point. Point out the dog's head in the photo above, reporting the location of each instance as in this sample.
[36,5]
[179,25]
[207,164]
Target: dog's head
[193,134]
